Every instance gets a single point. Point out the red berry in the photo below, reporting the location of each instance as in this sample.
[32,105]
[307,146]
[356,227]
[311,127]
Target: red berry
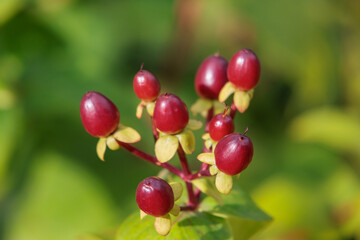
[233,153]
[244,69]
[146,86]
[99,115]
[211,77]
[170,114]
[220,126]
[155,196]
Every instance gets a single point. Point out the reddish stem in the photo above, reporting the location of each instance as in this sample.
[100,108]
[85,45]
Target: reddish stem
[233,110]
[154,130]
[199,174]
[135,151]
[184,165]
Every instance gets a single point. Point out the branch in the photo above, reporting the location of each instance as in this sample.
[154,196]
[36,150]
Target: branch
[137,152]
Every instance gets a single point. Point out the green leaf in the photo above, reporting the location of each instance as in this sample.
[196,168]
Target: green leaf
[187,141]
[206,186]
[165,147]
[244,217]
[201,105]
[242,100]
[188,226]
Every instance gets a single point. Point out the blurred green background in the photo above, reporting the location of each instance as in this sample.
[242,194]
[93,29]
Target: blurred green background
[304,119]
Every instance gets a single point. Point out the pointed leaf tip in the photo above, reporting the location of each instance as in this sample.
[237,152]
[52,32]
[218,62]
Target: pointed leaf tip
[139,110]
[242,100]
[165,147]
[226,91]
[127,134]
[101,148]
[208,158]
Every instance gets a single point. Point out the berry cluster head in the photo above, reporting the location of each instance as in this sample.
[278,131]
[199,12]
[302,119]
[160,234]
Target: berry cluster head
[233,153]
[146,85]
[211,77]
[220,126]
[170,114]
[99,115]
[155,196]
[244,70]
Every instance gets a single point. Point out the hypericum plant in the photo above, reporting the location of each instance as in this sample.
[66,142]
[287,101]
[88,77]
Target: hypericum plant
[224,154]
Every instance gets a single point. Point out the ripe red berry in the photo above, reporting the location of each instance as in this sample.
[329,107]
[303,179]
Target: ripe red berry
[155,196]
[233,153]
[211,77]
[99,115]
[170,114]
[244,69]
[220,126]
[146,86]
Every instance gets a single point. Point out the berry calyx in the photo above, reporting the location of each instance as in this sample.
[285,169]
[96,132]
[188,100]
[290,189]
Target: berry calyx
[211,77]
[220,126]
[233,153]
[170,114]
[244,70]
[99,115]
[146,85]
[155,196]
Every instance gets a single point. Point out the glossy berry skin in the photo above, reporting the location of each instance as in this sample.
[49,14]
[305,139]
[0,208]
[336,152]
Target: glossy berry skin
[220,126]
[146,86]
[99,116]
[244,70]
[170,114]
[155,196]
[211,77]
[233,153]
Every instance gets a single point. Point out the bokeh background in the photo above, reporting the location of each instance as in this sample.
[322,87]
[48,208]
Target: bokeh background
[304,118]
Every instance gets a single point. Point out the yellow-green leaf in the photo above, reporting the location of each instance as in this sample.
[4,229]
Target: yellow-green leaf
[175,210]
[142,214]
[187,141]
[226,91]
[213,169]
[177,190]
[201,105]
[111,143]
[100,148]
[242,100]
[165,147]
[206,186]
[205,136]
[150,108]
[223,183]
[218,107]
[139,110]
[127,134]
[208,158]
[163,225]
[194,124]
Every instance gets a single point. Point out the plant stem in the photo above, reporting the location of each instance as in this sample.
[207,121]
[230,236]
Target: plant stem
[184,165]
[135,151]
[199,174]
[155,132]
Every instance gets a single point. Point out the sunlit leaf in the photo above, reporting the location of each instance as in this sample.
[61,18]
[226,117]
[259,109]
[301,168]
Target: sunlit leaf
[177,189]
[194,124]
[242,100]
[127,134]
[101,148]
[150,108]
[163,225]
[139,110]
[166,147]
[208,158]
[201,105]
[187,141]
[226,91]
[223,182]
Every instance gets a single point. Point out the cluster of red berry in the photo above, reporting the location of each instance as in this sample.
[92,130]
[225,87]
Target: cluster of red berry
[225,153]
